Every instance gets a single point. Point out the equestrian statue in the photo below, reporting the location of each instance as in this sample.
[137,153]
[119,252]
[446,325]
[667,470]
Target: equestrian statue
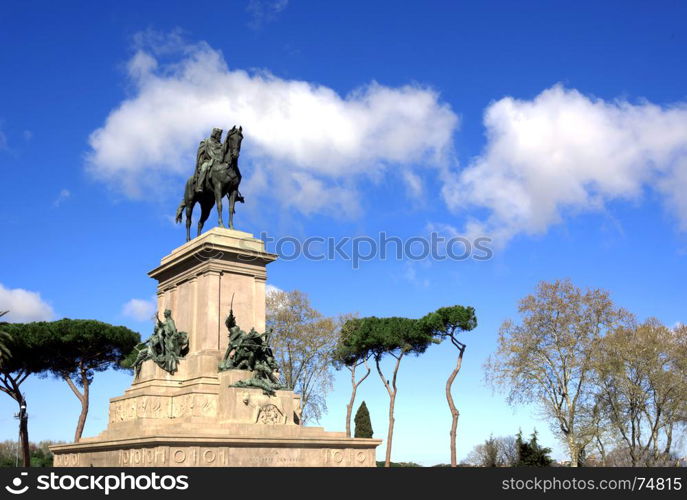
[216,175]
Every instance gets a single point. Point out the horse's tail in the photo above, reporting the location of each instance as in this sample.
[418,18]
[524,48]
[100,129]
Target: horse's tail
[180,211]
[188,198]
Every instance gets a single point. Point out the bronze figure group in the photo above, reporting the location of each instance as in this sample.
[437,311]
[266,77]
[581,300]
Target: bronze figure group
[165,347]
[251,351]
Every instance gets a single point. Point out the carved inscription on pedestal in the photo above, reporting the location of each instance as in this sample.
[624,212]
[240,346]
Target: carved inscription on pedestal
[272,458]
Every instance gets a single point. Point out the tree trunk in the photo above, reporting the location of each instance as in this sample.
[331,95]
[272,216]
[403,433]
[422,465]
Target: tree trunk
[602,450]
[390,433]
[392,390]
[354,390]
[84,412]
[24,432]
[455,414]
[10,386]
[83,399]
[669,440]
[349,406]
[574,454]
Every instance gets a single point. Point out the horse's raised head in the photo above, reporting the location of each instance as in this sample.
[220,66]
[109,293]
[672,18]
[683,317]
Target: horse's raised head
[234,139]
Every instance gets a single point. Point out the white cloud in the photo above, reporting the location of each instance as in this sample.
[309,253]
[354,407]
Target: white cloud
[270,289]
[24,306]
[139,309]
[302,140]
[564,152]
[63,196]
[413,184]
[264,11]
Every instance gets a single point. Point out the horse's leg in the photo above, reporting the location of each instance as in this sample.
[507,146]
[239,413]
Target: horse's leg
[217,188]
[232,203]
[206,208]
[189,213]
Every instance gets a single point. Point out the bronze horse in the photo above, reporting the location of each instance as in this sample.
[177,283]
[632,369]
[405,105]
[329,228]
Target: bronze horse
[223,179]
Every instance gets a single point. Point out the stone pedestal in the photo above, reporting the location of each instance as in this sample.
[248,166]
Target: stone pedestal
[198,280]
[194,417]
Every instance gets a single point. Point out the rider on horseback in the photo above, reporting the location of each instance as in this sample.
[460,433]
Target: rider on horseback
[210,152]
[216,175]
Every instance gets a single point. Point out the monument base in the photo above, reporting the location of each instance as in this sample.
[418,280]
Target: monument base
[235,450]
[195,417]
[164,420]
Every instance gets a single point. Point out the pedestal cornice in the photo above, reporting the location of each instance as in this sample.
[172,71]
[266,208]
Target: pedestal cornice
[220,244]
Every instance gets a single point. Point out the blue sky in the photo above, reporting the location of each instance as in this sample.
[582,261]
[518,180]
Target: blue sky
[559,130]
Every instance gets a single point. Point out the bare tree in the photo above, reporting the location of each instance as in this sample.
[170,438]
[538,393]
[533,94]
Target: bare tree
[620,456]
[495,452]
[643,389]
[303,342]
[508,450]
[547,357]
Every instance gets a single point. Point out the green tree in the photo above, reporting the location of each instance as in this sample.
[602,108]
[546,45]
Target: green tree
[378,337]
[363,425]
[547,358]
[41,456]
[80,348]
[531,454]
[26,343]
[447,322]
[40,453]
[355,382]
